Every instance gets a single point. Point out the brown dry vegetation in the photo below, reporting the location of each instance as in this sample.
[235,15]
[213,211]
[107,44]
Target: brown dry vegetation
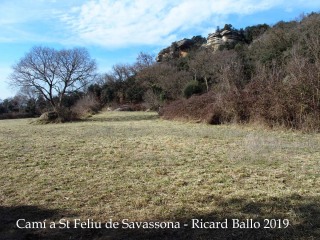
[274,80]
[134,165]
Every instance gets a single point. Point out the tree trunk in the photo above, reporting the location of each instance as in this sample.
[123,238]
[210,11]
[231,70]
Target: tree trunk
[206,81]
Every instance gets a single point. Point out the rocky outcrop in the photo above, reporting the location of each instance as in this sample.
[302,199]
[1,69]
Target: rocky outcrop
[180,48]
[214,41]
[220,38]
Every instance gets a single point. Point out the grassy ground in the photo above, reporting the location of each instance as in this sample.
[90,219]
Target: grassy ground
[135,166]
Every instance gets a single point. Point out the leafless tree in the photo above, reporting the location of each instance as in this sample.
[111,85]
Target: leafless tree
[202,66]
[143,61]
[53,73]
[229,71]
[121,72]
[165,76]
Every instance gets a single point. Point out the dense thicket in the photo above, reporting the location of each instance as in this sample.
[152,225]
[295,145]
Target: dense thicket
[275,79]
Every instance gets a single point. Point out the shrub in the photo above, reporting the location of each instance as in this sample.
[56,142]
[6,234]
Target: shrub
[85,106]
[193,87]
[196,108]
[152,100]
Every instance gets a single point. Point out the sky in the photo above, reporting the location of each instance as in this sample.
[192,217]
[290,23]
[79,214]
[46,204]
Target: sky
[116,31]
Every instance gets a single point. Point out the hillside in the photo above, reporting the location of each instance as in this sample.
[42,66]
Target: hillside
[262,74]
[258,74]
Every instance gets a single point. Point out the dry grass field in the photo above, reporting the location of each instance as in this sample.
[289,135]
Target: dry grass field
[133,165]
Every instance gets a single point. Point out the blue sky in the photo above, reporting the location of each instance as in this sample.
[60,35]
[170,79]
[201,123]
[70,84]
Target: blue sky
[115,31]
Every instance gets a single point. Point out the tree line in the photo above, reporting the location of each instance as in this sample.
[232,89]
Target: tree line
[271,77]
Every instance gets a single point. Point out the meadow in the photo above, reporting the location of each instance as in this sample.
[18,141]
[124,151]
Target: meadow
[136,166]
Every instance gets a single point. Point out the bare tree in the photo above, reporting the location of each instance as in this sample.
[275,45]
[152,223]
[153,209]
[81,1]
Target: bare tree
[229,71]
[202,66]
[121,72]
[165,76]
[53,73]
[143,61]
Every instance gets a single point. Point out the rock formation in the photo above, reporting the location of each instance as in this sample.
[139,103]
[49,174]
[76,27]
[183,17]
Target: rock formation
[181,48]
[219,38]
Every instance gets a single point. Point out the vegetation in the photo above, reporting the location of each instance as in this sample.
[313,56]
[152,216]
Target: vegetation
[53,74]
[274,80]
[271,76]
[137,166]
[193,87]
[132,165]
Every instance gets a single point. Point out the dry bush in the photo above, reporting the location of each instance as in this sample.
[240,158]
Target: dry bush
[85,106]
[152,100]
[210,108]
[285,95]
[190,109]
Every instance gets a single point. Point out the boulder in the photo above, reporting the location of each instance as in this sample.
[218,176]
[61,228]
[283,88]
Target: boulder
[49,116]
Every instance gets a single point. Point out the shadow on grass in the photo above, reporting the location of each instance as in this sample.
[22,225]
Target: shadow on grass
[130,116]
[10,215]
[302,212]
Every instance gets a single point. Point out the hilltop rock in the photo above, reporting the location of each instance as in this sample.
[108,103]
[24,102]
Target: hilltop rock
[226,36]
[180,48]
[220,38]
